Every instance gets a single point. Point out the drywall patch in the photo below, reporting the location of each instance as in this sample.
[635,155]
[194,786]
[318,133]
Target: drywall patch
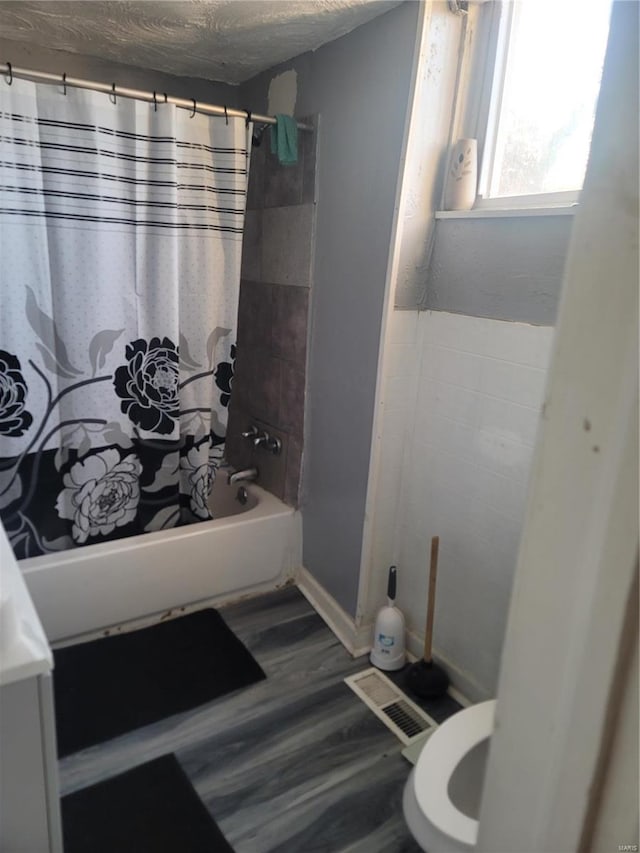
[283,93]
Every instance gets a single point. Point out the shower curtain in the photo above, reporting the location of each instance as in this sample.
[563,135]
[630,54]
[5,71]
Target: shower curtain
[120,242]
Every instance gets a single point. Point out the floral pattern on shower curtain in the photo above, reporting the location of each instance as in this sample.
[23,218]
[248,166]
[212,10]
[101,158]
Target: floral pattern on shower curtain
[120,245]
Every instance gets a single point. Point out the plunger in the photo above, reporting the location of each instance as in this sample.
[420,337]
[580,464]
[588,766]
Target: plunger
[425,678]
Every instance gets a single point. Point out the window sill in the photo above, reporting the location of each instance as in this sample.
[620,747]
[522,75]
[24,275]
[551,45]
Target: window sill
[501,212]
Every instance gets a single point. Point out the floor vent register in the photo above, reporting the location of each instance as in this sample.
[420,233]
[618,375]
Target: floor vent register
[400,715]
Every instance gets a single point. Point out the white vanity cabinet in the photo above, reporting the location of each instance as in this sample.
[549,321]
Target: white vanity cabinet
[29,790]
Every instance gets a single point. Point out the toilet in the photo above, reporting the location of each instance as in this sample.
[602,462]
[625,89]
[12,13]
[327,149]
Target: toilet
[441,800]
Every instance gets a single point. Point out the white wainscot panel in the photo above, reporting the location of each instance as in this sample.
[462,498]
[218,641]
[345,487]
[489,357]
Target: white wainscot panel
[404,327]
[465,474]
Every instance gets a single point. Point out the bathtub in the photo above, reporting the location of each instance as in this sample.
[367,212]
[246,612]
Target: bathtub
[98,589]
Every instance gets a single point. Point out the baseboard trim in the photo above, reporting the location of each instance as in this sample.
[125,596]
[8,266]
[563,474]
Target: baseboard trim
[355,641]
[463,688]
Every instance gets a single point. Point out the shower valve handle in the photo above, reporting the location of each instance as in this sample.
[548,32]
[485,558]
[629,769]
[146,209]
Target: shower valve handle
[260,438]
[274,445]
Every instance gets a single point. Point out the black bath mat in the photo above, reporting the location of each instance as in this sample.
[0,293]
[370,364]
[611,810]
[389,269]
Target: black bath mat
[110,686]
[150,809]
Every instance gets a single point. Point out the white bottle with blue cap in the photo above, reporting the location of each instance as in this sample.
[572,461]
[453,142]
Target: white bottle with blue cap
[388,650]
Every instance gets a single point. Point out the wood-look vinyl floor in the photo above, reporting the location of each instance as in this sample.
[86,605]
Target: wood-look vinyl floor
[293,764]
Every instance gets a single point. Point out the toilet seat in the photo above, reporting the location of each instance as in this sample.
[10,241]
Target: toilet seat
[441,754]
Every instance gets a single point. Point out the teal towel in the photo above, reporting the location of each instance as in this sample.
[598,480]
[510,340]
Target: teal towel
[284,140]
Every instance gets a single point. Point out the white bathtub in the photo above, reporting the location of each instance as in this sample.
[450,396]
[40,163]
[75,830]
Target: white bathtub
[97,588]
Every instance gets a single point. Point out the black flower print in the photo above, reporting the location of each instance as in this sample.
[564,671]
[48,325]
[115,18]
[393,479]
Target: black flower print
[148,384]
[224,377]
[101,492]
[216,450]
[14,418]
[199,480]
[199,466]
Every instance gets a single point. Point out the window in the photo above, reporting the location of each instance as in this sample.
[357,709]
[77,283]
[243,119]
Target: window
[540,106]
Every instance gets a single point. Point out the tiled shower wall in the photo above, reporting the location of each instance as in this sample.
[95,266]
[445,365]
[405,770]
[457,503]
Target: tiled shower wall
[270,369]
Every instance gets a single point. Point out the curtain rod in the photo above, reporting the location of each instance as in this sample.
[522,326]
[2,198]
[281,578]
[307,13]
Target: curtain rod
[11,71]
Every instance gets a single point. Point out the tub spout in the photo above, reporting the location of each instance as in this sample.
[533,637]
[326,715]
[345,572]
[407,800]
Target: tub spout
[249,475]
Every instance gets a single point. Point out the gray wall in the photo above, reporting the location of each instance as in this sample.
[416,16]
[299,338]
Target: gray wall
[505,268]
[105,71]
[359,86]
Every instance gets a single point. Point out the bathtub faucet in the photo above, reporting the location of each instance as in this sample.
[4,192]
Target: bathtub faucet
[249,475]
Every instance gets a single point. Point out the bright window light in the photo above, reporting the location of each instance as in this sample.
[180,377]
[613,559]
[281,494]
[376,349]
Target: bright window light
[547,96]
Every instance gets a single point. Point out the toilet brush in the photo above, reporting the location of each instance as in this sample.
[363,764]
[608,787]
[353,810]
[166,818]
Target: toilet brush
[425,678]
[388,635]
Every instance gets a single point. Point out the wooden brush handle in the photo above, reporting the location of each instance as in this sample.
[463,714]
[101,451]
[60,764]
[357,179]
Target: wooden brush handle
[433,572]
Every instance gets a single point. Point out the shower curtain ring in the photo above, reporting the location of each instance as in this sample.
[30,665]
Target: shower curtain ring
[112,96]
[247,121]
[155,102]
[10,73]
[64,82]
[226,117]
[194,108]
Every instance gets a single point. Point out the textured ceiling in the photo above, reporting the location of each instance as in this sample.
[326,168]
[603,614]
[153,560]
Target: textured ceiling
[225,40]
